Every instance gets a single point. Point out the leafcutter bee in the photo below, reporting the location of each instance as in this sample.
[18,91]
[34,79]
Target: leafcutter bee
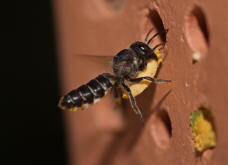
[126,65]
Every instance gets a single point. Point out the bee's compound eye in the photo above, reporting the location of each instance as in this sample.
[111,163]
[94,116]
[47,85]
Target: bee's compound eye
[142,48]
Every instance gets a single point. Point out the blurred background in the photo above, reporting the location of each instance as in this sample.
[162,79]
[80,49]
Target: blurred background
[35,131]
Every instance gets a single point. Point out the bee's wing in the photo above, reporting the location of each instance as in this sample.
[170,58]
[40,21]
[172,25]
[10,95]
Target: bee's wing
[102,62]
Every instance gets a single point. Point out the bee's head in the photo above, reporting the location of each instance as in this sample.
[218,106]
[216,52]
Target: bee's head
[142,50]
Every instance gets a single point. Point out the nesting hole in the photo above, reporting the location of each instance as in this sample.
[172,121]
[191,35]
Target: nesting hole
[196,33]
[206,156]
[114,4]
[153,20]
[161,129]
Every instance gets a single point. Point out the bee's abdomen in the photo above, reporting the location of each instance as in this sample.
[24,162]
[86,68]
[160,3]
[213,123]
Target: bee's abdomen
[89,93]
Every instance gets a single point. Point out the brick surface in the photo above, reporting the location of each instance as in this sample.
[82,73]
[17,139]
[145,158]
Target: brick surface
[107,135]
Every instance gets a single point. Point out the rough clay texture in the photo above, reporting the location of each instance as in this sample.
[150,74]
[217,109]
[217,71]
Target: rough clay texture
[104,134]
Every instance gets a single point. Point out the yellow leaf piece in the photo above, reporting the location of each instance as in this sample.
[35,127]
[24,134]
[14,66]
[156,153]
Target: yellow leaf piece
[149,71]
[203,129]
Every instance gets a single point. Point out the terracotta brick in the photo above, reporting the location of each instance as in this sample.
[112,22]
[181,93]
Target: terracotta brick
[196,62]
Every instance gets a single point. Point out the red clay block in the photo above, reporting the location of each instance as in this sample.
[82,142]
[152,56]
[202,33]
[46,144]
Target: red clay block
[105,135]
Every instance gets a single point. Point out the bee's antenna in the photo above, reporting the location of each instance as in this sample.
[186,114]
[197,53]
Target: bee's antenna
[163,31]
[147,35]
[162,44]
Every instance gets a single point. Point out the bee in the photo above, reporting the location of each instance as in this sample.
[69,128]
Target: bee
[126,65]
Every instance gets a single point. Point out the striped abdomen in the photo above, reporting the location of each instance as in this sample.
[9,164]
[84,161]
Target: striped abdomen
[88,93]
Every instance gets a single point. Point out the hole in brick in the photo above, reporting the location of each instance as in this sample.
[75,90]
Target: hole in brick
[196,33]
[153,20]
[206,156]
[203,129]
[161,129]
[114,4]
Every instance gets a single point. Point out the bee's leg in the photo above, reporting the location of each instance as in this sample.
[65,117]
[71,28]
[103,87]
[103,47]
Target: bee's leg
[116,95]
[163,31]
[153,80]
[133,102]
